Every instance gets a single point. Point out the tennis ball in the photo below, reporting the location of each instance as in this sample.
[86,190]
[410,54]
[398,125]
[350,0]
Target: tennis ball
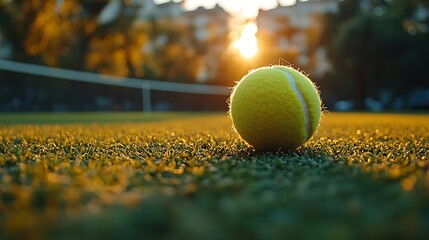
[275,108]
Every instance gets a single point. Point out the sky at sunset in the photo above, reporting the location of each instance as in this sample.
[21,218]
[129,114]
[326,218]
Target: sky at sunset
[242,8]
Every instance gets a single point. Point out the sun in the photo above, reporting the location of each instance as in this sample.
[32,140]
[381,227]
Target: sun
[247,44]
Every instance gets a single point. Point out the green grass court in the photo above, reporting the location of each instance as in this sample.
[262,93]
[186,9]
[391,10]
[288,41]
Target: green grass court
[188,176]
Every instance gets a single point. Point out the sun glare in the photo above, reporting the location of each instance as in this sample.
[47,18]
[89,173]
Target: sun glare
[247,44]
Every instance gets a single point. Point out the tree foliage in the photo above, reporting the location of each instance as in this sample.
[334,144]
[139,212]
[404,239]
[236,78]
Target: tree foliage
[378,47]
[69,34]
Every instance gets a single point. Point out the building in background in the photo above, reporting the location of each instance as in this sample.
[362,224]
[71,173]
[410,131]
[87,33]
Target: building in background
[295,32]
[292,31]
[210,28]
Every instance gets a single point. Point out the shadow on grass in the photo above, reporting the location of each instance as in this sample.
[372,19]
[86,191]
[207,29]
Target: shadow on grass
[322,192]
[306,194]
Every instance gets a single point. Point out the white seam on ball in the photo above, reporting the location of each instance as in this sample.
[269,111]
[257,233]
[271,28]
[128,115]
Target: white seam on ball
[298,93]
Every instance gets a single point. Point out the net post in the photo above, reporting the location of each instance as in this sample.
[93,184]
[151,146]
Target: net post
[146,97]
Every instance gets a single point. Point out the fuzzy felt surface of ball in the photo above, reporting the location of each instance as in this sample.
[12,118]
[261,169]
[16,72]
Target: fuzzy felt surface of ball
[275,108]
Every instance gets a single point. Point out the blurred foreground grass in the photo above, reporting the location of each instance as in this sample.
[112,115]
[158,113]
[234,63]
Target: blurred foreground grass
[362,176]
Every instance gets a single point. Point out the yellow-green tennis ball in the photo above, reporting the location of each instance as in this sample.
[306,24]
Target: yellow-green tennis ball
[275,108]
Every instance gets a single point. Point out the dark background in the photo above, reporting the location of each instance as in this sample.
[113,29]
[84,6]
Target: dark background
[376,52]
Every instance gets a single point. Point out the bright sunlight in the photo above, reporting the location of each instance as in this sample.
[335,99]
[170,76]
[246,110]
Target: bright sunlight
[247,44]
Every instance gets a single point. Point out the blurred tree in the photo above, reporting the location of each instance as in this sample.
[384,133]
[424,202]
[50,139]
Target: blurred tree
[377,49]
[116,43]
[49,31]
[175,50]
[102,36]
